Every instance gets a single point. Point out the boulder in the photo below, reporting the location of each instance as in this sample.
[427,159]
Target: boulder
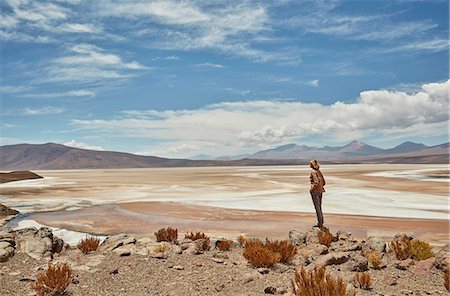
[123,251]
[374,244]
[423,266]
[174,249]
[346,246]
[5,255]
[115,241]
[404,264]
[297,237]
[37,248]
[443,258]
[335,258]
[356,263]
[311,235]
[343,235]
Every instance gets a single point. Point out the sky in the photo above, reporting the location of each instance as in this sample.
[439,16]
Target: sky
[181,78]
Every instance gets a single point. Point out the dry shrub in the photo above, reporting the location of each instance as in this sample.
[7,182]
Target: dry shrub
[286,249]
[364,280]
[374,258]
[54,281]
[88,244]
[161,248]
[446,280]
[199,235]
[421,250]
[318,283]
[166,234]
[401,248]
[224,245]
[241,240]
[325,237]
[259,255]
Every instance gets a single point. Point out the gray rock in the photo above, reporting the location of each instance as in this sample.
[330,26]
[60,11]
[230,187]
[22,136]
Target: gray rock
[30,231]
[37,248]
[263,270]
[115,241]
[123,251]
[311,235]
[4,244]
[343,235]
[356,263]
[174,249]
[332,259]
[297,237]
[218,260]
[160,255]
[4,255]
[374,244]
[404,264]
[281,268]
[443,258]
[250,277]
[346,246]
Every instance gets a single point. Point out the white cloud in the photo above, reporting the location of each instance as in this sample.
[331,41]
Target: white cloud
[233,126]
[80,145]
[434,45]
[210,65]
[72,93]
[314,83]
[14,89]
[87,63]
[228,27]
[79,28]
[43,111]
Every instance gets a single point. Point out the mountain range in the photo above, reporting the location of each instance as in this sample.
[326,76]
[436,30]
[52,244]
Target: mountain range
[57,156]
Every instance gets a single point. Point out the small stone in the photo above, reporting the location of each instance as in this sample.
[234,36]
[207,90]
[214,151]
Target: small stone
[160,255]
[114,271]
[75,281]
[263,270]
[178,267]
[251,276]
[404,264]
[218,260]
[389,281]
[27,279]
[270,290]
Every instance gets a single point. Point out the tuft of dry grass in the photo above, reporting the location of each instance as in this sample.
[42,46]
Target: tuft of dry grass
[325,237]
[259,255]
[241,240]
[446,280]
[54,281]
[161,248]
[374,258]
[364,280]
[168,234]
[88,244]
[286,249]
[318,283]
[199,235]
[401,248]
[224,245]
[421,250]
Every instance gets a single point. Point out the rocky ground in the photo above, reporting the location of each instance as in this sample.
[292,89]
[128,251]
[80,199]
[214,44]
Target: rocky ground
[125,265]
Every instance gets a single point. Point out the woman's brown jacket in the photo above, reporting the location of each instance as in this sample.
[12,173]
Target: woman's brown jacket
[317,182]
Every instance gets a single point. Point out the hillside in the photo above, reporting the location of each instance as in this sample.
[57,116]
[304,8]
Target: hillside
[51,156]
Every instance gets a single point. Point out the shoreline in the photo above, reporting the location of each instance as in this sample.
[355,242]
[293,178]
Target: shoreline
[143,218]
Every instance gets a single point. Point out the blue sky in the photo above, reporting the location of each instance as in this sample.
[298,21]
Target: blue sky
[180,78]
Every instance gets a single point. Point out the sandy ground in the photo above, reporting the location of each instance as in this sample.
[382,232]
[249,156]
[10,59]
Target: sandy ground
[228,201]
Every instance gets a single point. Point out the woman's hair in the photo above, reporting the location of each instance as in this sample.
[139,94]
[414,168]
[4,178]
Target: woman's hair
[314,164]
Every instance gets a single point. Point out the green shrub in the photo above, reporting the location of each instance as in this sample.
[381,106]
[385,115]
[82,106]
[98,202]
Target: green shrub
[421,250]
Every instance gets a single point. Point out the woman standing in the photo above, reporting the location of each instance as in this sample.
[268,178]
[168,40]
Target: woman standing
[316,190]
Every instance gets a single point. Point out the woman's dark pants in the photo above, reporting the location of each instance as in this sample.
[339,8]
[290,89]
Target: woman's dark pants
[317,200]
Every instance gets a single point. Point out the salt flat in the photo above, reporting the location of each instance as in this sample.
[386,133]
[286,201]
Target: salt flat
[370,192]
